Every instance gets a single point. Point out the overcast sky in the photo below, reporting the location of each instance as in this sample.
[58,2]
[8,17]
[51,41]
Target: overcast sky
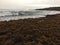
[23,4]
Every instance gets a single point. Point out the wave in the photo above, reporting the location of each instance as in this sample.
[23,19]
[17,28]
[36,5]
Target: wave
[15,15]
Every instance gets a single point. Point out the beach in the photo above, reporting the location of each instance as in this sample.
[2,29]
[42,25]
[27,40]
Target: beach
[31,31]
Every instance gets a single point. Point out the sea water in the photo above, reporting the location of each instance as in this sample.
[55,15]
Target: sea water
[7,15]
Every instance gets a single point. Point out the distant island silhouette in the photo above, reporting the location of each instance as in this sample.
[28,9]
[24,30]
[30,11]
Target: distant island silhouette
[51,8]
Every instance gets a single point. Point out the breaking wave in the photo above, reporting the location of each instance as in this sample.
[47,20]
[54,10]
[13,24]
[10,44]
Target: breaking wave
[15,15]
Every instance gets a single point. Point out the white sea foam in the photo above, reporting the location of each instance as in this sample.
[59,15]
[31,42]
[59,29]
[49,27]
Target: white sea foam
[7,15]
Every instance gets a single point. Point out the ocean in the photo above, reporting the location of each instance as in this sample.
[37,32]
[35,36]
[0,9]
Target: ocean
[6,15]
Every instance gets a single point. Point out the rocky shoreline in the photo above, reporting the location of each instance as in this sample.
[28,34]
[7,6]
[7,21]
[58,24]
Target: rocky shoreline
[38,31]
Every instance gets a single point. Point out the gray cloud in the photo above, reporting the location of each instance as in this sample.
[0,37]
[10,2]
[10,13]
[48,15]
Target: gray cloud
[20,4]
